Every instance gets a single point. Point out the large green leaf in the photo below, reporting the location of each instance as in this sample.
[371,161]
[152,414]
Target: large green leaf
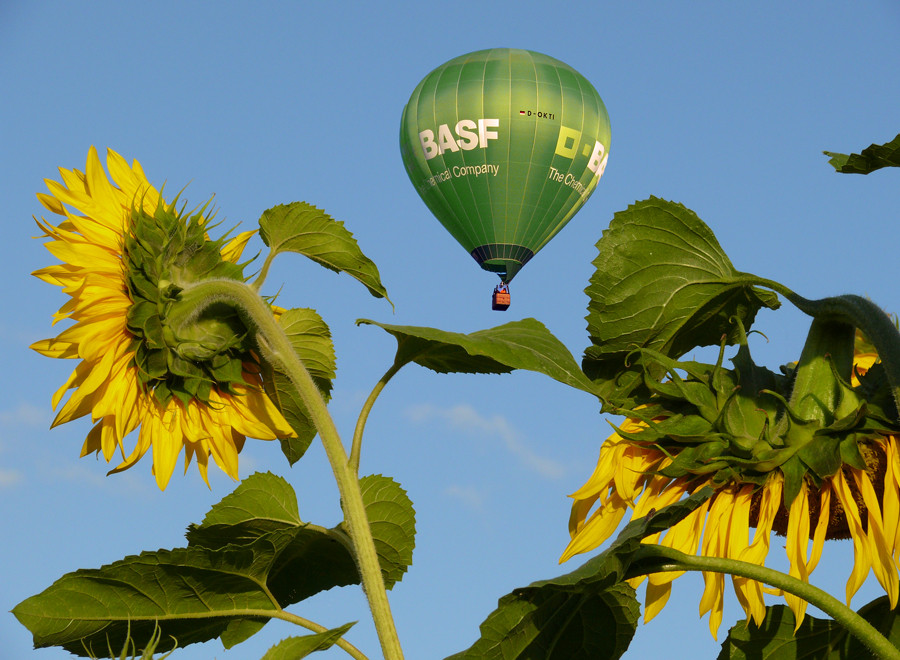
[195,594]
[823,639]
[311,340]
[303,228]
[872,158]
[251,557]
[663,282]
[295,648]
[525,344]
[588,613]
[393,523]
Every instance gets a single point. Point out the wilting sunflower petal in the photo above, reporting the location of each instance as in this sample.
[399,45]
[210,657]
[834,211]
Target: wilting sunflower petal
[882,563]
[796,547]
[598,528]
[861,559]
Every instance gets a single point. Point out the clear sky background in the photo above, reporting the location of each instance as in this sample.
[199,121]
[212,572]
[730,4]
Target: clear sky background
[724,107]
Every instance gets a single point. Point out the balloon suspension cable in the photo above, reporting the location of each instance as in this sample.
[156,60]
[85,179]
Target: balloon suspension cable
[500,299]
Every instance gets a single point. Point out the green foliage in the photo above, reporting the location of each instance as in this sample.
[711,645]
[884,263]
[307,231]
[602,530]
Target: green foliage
[303,228]
[872,158]
[662,287]
[194,594]
[588,613]
[295,648]
[822,639]
[662,282]
[251,557]
[393,521]
[311,340]
[525,344]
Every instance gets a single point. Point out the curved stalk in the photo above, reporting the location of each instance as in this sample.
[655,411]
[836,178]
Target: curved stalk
[364,415]
[277,348]
[263,272]
[855,310]
[351,650]
[850,620]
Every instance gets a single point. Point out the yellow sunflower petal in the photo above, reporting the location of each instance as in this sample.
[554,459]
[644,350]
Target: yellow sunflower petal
[861,559]
[796,546]
[599,528]
[234,248]
[883,565]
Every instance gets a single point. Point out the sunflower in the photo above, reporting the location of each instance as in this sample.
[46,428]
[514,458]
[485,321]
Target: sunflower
[852,489]
[126,257]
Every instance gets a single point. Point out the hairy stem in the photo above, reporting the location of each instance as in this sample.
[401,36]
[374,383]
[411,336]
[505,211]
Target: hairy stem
[277,348]
[364,415]
[857,311]
[850,620]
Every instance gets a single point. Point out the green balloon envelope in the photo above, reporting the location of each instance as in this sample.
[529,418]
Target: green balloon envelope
[504,146]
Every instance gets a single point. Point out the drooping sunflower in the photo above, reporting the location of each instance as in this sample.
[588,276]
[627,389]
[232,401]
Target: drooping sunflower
[834,477]
[127,255]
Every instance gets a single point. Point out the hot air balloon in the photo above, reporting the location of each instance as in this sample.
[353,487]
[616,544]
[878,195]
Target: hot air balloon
[504,146]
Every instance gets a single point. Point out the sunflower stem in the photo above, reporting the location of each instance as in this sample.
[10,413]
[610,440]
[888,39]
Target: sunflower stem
[356,449]
[850,620]
[277,348]
[264,271]
[342,643]
[855,310]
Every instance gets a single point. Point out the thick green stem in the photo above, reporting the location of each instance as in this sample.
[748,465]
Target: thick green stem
[277,348]
[855,310]
[850,620]
[364,415]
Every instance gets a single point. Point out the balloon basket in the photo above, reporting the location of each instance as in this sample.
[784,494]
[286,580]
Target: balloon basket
[500,299]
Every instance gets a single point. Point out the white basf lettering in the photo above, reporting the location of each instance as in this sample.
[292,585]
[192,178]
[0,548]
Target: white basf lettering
[467,134]
[429,148]
[597,162]
[483,134]
[446,141]
[468,138]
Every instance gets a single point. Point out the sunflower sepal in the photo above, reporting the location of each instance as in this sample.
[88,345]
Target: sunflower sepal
[739,424]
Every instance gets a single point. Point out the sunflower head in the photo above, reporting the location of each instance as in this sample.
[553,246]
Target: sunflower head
[179,351]
[809,453]
[151,357]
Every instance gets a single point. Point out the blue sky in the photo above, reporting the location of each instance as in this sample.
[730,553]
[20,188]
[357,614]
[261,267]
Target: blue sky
[724,107]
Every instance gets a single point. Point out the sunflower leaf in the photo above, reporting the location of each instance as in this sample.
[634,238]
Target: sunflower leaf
[294,648]
[194,594]
[251,557]
[872,158]
[393,522]
[588,613]
[302,228]
[816,638]
[525,344]
[663,282]
[311,339]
